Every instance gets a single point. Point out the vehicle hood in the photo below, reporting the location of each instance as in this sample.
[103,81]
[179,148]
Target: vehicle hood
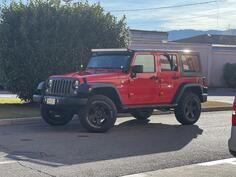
[94,75]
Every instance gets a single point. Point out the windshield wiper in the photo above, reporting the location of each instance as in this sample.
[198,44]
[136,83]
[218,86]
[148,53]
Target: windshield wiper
[101,68]
[91,67]
[105,68]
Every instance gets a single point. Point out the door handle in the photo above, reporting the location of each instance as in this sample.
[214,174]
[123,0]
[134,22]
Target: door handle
[154,78]
[175,77]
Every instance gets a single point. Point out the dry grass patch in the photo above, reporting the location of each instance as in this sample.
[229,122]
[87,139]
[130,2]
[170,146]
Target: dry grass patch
[215,104]
[15,108]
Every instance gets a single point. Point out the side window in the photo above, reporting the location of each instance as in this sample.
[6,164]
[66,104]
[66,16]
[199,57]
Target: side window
[190,63]
[148,62]
[168,63]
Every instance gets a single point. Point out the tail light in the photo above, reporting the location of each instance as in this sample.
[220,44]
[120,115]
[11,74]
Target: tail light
[203,81]
[234,115]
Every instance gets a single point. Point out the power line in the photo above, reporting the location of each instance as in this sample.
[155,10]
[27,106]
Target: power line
[164,7]
[195,23]
[192,16]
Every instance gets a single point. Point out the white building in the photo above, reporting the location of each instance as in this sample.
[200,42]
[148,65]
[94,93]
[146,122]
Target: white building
[213,56]
[142,36]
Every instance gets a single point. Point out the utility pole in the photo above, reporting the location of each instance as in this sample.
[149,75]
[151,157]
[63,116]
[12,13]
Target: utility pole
[229,29]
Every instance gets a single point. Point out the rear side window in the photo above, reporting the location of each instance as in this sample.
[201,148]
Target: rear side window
[148,62]
[168,62]
[190,63]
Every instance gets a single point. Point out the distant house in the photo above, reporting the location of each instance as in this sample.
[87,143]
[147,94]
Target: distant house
[210,39]
[144,36]
[215,50]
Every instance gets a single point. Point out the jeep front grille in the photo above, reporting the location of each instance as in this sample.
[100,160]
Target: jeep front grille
[61,86]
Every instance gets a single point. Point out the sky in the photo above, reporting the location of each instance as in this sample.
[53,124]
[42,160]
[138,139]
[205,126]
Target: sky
[216,15]
[219,14]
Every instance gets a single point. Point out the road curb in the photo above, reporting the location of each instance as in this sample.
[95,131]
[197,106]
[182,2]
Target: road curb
[15,121]
[217,109]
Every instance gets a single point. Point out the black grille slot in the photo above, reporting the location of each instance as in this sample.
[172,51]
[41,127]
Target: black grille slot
[61,86]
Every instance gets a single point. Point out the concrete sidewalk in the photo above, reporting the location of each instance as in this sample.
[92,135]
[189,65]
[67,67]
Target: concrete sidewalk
[225,95]
[220,168]
[6,94]
[225,99]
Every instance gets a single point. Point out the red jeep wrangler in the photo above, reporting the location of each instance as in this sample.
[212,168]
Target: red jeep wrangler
[124,80]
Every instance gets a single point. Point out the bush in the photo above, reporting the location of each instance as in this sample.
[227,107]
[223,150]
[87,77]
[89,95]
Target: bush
[229,74]
[2,78]
[44,37]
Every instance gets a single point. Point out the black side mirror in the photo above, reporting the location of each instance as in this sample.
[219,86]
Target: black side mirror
[137,69]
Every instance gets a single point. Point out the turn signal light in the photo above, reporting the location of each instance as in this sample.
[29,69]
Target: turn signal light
[203,81]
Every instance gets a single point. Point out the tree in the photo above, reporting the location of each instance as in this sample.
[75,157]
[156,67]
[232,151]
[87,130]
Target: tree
[43,38]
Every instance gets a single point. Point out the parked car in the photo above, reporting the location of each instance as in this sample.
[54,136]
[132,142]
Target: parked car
[124,80]
[232,140]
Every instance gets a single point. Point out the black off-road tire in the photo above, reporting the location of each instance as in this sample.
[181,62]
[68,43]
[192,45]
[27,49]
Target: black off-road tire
[142,114]
[188,110]
[55,117]
[99,115]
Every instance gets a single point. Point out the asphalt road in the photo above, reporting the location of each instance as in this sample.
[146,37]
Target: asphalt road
[130,147]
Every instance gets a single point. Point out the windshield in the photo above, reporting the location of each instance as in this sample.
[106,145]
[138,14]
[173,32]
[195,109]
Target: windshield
[109,61]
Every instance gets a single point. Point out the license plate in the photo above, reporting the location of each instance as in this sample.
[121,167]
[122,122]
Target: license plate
[51,101]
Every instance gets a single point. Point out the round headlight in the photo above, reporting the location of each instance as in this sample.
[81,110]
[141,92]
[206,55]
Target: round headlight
[76,84]
[50,83]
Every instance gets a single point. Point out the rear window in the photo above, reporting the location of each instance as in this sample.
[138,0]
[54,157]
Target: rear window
[190,63]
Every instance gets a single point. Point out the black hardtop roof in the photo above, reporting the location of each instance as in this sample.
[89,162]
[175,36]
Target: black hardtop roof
[110,50]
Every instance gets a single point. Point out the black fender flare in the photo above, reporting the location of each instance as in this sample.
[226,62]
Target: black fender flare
[41,87]
[185,87]
[89,87]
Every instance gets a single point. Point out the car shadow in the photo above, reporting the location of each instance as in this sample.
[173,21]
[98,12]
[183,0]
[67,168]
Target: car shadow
[58,146]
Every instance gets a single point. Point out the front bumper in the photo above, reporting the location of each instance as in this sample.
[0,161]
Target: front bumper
[60,100]
[204,97]
[232,140]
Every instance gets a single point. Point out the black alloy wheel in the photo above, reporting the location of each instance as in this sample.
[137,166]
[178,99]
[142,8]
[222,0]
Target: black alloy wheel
[188,110]
[99,115]
[55,117]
